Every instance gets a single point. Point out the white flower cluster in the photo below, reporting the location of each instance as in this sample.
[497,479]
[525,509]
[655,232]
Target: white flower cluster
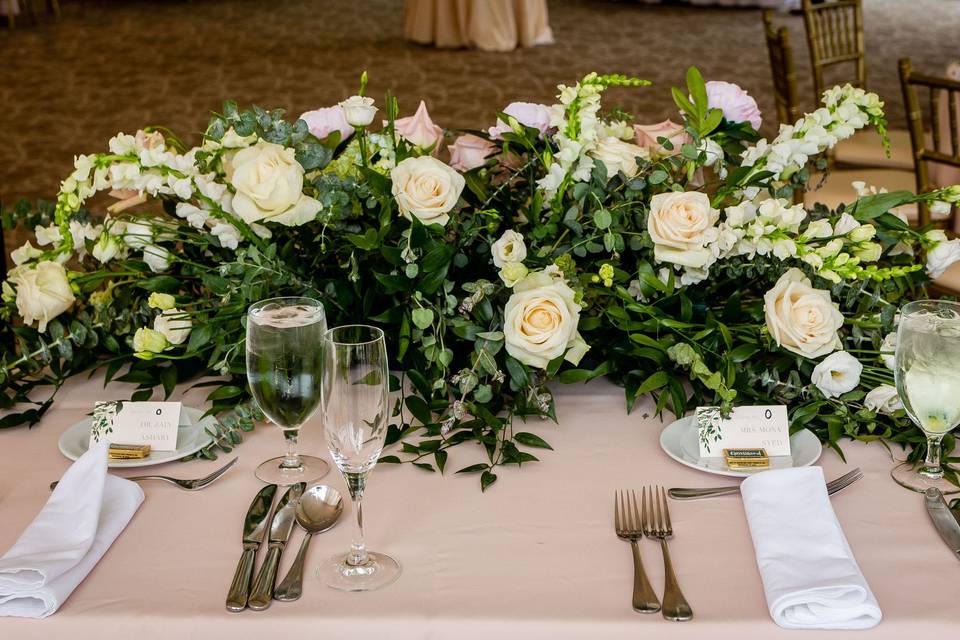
[846,109]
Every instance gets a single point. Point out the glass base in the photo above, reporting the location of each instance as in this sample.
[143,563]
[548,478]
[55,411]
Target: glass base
[311,468]
[380,571]
[908,475]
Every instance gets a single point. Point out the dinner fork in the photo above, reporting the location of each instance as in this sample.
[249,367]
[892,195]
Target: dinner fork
[656,524]
[188,485]
[833,487]
[626,521]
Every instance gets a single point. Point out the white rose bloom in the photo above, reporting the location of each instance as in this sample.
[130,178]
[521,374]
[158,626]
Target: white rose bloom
[884,399]
[888,350]
[800,318]
[43,292]
[358,110]
[269,186]
[174,325]
[540,321]
[681,225]
[509,248]
[942,256]
[837,374]
[25,253]
[617,155]
[47,235]
[228,235]
[157,258]
[426,188]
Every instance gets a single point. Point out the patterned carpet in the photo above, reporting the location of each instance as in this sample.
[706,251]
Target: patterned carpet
[67,86]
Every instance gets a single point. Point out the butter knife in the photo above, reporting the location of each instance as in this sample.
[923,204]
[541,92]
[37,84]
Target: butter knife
[283,520]
[254,531]
[943,519]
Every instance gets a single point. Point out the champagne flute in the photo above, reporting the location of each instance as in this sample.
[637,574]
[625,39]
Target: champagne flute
[284,369]
[928,381]
[355,419]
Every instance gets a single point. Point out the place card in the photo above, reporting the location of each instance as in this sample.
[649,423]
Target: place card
[752,427]
[137,423]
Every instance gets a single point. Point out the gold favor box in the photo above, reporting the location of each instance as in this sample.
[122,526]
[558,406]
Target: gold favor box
[747,458]
[129,451]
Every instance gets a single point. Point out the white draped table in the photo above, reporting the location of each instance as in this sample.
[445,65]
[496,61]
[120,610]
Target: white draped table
[535,557]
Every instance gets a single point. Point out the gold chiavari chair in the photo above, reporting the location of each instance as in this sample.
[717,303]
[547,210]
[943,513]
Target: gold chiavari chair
[943,95]
[783,70]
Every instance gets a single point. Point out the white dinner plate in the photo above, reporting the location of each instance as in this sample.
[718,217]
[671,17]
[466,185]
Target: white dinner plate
[191,437]
[679,440]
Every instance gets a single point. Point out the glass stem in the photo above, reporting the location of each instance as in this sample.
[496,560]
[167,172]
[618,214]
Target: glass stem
[291,460]
[931,466]
[358,550]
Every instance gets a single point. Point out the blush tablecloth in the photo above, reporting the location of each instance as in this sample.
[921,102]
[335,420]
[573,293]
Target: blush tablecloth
[535,557]
[491,25]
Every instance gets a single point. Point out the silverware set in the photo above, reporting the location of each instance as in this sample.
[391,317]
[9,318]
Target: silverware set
[651,518]
[316,509]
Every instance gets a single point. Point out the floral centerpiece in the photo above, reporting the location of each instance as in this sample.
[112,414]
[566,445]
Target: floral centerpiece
[563,243]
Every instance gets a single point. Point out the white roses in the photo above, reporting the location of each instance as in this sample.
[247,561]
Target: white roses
[617,155]
[800,318]
[837,374]
[43,292]
[269,186]
[509,248]
[681,225]
[540,321]
[426,188]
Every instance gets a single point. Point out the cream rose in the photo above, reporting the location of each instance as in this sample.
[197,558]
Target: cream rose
[617,155]
[509,248]
[681,224]
[800,318]
[426,188]
[540,321]
[269,186]
[43,292]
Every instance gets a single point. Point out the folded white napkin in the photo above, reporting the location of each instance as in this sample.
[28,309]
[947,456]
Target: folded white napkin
[82,518]
[810,576]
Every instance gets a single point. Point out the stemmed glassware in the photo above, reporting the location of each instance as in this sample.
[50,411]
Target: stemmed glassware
[355,419]
[285,340]
[928,381]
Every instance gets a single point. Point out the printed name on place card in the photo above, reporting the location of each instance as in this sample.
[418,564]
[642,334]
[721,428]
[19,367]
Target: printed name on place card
[765,427]
[153,423]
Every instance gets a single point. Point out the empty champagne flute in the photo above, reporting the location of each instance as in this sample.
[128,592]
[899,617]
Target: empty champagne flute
[284,369]
[928,381]
[355,419]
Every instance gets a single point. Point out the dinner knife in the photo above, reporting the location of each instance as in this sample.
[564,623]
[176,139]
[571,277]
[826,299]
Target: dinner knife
[254,531]
[283,520]
[943,519]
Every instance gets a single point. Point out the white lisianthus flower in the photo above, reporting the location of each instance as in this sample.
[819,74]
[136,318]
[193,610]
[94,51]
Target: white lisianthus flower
[617,155]
[941,256]
[269,186]
[162,301]
[837,374]
[137,234]
[426,188]
[106,248]
[888,350]
[800,318]
[47,235]
[884,399]
[157,258]
[25,253]
[509,248]
[540,321]
[228,235]
[149,341]
[174,325]
[681,225]
[43,292]
[512,273]
[358,110]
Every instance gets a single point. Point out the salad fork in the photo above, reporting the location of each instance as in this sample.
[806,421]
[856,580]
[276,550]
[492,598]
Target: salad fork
[188,485]
[627,525]
[656,524]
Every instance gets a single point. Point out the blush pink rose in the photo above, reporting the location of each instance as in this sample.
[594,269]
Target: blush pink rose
[419,130]
[323,122]
[469,152]
[647,135]
[529,114]
[737,105]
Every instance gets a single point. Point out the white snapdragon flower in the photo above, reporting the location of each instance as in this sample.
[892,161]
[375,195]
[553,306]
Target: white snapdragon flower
[194,215]
[837,374]
[942,256]
[818,229]
[228,235]
[25,253]
[47,235]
